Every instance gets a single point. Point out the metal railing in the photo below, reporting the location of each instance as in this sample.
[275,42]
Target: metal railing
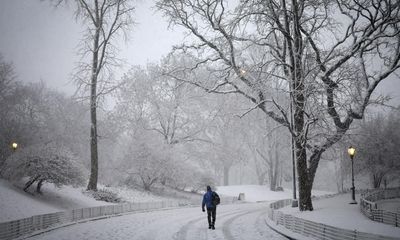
[369,206]
[38,223]
[314,229]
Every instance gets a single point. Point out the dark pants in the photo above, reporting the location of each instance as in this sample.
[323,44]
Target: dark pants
[211,213]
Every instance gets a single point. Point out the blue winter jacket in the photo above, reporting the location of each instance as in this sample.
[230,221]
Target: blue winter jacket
[207,200]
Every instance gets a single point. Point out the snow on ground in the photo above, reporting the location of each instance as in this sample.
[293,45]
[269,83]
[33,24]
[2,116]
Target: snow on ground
[17,204]
[134,195]
[337,212]
[255,193]
[235,221]
[391,205]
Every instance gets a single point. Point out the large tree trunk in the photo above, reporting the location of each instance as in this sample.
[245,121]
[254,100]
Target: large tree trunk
[304,184]
[93,142]
[93,112]
[296,51]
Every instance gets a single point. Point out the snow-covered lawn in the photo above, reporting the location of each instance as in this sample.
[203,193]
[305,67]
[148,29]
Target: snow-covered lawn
[391,205]
[337,212]
[17,204]
[232,220]
[255,193]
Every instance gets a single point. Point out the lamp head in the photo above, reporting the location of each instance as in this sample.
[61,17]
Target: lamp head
[351,151]
[14,145]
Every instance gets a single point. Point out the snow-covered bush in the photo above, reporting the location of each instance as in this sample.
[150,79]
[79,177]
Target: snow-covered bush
[202,181]
[148,166]
[188,177]
[44,163]
[105,195]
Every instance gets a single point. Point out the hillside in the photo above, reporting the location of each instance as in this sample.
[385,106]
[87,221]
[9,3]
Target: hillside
[17,204]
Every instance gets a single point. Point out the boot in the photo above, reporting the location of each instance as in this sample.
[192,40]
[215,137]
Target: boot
[212,227]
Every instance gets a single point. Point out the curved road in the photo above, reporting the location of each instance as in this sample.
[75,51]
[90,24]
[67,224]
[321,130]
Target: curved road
[236,221]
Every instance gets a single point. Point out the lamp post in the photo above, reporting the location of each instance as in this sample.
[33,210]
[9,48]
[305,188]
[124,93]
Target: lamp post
[352,151]
[14,146]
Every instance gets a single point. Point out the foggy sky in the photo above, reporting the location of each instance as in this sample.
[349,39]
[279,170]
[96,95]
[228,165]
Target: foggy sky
[41,41]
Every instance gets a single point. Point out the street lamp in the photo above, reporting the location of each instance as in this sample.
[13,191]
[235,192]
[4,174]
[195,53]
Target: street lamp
[352,151]
[14,146]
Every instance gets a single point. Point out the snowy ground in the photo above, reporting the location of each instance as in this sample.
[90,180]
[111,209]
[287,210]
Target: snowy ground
[237,221]
[392,205]
[17,204]
[338,212]
[255,193]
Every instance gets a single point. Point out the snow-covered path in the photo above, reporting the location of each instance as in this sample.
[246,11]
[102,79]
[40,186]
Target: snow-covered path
[238,221]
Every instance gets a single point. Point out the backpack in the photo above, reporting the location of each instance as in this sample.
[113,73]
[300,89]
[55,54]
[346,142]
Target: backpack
[215,199]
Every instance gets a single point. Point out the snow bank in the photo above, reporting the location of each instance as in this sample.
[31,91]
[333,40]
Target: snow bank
[255,193]
[17,204]
[337,212]
[134,195]
[14,203]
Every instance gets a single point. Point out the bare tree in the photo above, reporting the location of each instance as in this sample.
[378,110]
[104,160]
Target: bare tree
[105,21]
[338,154]
[378,148]
[7,100]
[268,145]
[325,52]
[161,104]
[226,138]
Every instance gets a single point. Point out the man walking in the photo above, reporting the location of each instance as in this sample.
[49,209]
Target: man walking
[210,200]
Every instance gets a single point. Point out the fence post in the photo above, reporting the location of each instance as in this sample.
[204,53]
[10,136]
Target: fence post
[373,214]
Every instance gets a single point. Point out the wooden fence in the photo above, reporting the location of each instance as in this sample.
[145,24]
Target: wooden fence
[369,206]
[314,229]
[35,224]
